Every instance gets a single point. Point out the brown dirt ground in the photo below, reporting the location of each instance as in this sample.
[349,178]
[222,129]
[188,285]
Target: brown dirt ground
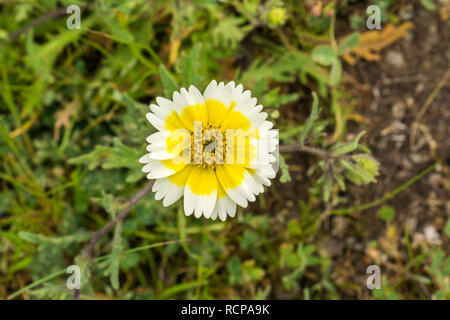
[390,94]
[404,142]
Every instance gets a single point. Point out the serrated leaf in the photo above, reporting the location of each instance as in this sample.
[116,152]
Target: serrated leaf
[348,43]
[189,66]
[324,55]
[313,116]
[117,156]
[348,147]
[169,83]
[229,31]
[285,176]
[235,270]
[357,173]
[336,72]
[110,204]
[112,263]
[57,241]
[121,156]
[116,29]
[327,187]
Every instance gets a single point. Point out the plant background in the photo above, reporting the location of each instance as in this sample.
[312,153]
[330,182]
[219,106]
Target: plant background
[72,126]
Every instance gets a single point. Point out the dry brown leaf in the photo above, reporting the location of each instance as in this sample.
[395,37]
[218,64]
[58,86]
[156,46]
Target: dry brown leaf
[445,12]
[25,127]
[372,42]
[63,118]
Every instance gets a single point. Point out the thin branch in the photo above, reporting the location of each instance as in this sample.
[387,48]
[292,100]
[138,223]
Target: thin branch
[97,235]
[46,17]
[300,148]
[388,195]
[433,95]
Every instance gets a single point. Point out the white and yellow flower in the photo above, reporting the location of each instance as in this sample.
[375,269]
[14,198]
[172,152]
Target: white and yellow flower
[214,149]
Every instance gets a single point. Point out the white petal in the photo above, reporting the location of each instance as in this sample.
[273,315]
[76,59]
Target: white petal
[158,146]
[144,159]
[157,122]
[266,125]
[158,136]
[167,190]
[156,169]
[242,193]
[166,106]
[198,204]
[219,92]
[225,206]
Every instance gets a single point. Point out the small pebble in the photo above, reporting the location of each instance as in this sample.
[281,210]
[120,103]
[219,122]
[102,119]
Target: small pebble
[398,110]
[395,59]
[432,235]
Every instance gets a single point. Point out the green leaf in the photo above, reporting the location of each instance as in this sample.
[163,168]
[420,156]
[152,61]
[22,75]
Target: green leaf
[285,176]
[116,29]
[190,65]
[386,213]
[111,205]
[251,272]
[57,241]
[112,263]
[368,163]
[41,58]
[327,187]
[169,83]
[313,116]
[19,265]
[428,4]
[324,55]
[336,72]
[447,228]
[348,43]
[230,31]
[235,270]
[348,147]
[174,289]
[288,257]
[249,239]
[115,157]
[362,169]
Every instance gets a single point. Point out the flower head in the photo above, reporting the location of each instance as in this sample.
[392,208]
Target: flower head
[277,16]
[214,149]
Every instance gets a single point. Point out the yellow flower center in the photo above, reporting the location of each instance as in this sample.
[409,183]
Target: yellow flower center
[208,145]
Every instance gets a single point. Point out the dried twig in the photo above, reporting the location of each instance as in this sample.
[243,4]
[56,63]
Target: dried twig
[300,148]
[433,95]
[48,16]
[97,235]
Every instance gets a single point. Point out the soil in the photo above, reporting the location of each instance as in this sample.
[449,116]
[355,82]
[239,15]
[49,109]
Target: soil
[390,96]
[403,141]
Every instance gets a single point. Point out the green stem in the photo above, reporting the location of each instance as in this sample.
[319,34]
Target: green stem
[36,283]
[62,271]
[386,197]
